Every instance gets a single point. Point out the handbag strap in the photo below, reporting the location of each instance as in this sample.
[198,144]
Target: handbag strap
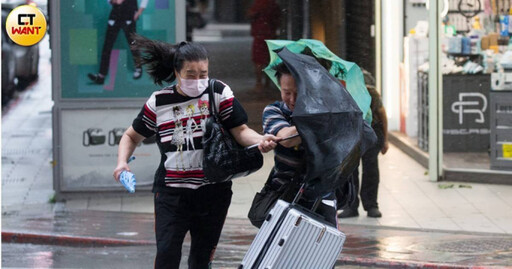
[211,101]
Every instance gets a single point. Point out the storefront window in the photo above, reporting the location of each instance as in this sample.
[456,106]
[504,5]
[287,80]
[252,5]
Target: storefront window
[476,61]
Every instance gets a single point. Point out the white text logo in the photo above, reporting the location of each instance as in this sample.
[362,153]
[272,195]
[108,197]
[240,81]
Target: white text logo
[463,106]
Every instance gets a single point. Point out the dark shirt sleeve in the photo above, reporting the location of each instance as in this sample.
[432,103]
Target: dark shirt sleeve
[238,116]
[145,122]
[231,112]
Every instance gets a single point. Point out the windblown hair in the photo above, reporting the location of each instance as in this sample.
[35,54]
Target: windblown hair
[281,69]
[162,58]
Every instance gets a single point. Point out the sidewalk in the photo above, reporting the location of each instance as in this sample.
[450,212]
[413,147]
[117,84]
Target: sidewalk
[407,200]
[424,224]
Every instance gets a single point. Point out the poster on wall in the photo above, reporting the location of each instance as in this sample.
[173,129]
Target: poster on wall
[90,140]
[96,59]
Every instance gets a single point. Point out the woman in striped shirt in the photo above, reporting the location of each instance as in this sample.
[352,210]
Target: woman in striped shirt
[184,199]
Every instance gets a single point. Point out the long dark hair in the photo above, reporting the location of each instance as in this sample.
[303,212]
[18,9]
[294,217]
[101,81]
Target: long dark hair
[162,58]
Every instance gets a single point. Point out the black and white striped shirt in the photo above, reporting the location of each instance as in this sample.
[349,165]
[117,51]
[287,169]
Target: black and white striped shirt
[178,122]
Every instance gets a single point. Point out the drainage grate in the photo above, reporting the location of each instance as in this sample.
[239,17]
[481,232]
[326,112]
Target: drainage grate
[470,246]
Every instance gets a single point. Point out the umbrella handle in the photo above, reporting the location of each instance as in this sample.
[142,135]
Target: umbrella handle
[280,140]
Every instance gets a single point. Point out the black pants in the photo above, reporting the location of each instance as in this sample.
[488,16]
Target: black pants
[129,27]
[202,212]
[370,179]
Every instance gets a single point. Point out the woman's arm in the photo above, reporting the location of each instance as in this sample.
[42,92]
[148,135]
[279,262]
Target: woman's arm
[127,145]
[246,136]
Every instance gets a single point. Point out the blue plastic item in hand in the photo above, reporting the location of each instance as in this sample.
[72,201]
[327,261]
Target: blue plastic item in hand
[128,180]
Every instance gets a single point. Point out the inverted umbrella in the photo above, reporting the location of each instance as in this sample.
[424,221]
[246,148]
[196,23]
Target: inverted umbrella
[329,122]
[341,69]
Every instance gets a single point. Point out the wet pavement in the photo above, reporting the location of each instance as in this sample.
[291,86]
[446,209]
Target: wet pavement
[102,239]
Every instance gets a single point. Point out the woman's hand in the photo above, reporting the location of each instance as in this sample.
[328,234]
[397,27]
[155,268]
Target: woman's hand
[120,168]
[268,143]
[129,141]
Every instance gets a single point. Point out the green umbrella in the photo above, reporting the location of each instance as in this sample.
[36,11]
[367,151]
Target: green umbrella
[341,69]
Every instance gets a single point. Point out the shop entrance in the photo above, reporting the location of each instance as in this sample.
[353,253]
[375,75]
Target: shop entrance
[226,34]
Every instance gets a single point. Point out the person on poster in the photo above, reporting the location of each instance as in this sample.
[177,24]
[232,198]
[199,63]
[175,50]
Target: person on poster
[185,200]
[123,15]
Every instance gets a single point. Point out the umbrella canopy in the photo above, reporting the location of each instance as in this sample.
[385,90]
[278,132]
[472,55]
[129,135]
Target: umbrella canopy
[334,134]
[341,69]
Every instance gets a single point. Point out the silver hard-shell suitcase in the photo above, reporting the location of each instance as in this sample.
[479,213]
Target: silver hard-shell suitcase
[292,237]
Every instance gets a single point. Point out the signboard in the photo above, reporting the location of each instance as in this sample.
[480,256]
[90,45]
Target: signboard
[90,139]
[94,38]
[466,113]
[89,115]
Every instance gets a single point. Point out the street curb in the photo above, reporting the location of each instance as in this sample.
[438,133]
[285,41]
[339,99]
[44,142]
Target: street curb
[68,240]
[374,262]
[87,241]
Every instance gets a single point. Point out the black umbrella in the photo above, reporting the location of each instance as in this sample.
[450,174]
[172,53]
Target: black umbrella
[329,122]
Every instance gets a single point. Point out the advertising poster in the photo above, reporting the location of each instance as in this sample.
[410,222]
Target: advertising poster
[90,140]
[96,60]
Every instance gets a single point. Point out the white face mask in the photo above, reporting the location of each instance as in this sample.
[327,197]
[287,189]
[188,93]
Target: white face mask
[193,87]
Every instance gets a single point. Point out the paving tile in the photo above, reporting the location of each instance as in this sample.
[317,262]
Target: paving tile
[238,210]
[485,200]
[39,196]
[77,204]
[139,204]
[477,223]
[503,192]
[13,197]
[505,224]
[362,219]
[397,219]
[105,204]
[439,223]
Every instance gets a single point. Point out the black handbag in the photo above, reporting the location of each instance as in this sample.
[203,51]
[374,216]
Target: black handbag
[264,200]
[223,158]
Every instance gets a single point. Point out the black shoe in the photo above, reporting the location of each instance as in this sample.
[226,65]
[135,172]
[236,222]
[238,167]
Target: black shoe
[96,78]
[374,213]
[137,73]
[348,213]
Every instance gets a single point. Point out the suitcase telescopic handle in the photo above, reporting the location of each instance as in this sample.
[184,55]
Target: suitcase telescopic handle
[299,195]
